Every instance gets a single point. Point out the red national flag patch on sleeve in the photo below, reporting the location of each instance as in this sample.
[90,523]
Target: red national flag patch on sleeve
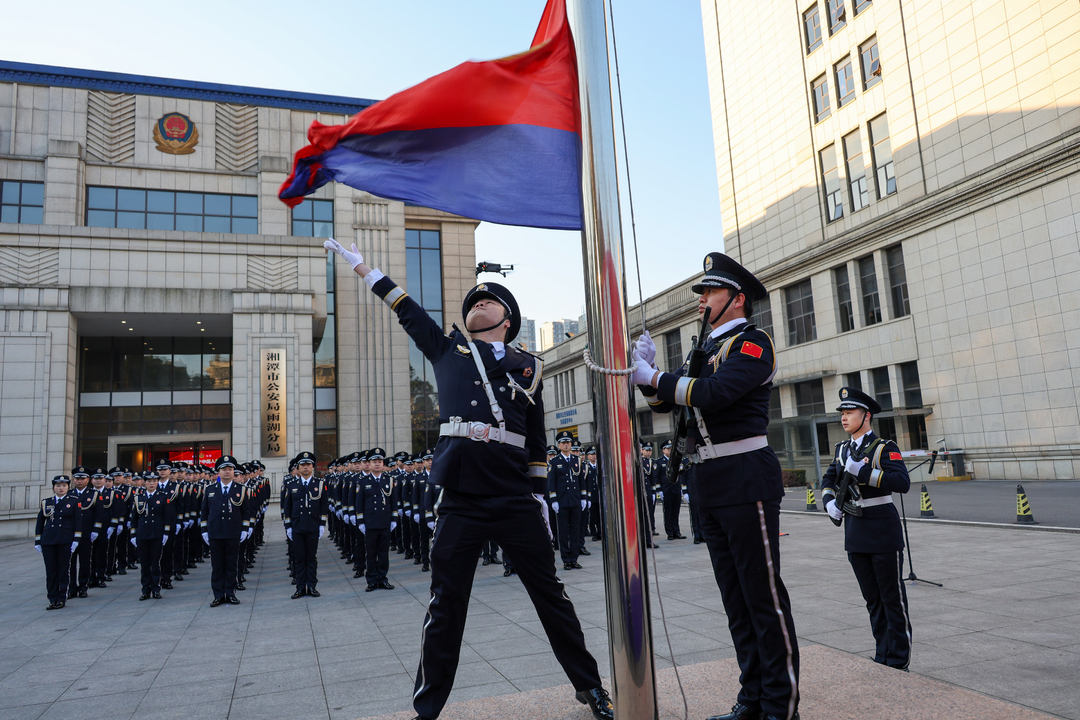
[749,348]
[895,456]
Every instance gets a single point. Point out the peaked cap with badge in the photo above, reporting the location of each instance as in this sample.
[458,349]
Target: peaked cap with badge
[855,399]
[723,272]
[499,293]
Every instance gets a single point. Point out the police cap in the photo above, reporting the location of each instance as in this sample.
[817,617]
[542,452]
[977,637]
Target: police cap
[855,399]
[723,272]
[79,471]
[61,479]
[225,461]
[499,293]
[564,436]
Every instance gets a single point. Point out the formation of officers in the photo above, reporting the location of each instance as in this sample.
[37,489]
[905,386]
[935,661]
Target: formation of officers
[163,522]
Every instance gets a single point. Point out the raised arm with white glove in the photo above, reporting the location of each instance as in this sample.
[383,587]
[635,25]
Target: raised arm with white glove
[353,257]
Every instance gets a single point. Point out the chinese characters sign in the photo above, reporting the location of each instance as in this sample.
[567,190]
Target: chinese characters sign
[273,403]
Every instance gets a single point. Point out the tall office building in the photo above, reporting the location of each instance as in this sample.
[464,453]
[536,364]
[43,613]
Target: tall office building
[904,177]
[554,332]
[527,335]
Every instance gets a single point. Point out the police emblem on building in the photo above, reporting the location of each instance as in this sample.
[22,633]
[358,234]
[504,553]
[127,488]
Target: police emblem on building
[175,134]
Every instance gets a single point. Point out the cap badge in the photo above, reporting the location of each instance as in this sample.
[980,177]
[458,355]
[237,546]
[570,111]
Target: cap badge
[481,287]
[708,263]
[843,393]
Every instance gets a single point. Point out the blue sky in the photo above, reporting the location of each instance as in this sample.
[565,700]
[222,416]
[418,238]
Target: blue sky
[366,49]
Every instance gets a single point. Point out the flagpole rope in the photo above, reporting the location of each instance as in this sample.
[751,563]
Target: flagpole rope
[630,370]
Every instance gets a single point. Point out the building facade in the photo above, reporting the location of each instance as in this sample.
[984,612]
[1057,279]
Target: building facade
[158,300]
[905,179]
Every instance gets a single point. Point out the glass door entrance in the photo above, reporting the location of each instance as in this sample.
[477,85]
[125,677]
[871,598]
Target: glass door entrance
[144,456]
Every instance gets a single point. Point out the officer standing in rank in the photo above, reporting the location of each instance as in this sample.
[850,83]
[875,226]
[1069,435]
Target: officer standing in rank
[82,556]
[671,494]
[596,493]
[375,519]
[101,521]
[566,494]
[874,540]
[736,482]
[56,536]
[153,520]
[489,464]
[225,522]
[304,514]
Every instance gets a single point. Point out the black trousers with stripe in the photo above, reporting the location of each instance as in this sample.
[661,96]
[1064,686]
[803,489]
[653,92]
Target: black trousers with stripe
[743,542]
[516,523]
[881,580]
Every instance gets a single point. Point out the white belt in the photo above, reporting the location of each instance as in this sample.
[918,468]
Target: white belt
[735,447]
[480,432]
[871,502]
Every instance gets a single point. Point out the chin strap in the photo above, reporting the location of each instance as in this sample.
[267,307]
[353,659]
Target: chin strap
[482,330]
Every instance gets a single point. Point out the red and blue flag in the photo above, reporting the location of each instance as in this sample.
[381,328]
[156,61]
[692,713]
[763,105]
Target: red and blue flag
[498,140]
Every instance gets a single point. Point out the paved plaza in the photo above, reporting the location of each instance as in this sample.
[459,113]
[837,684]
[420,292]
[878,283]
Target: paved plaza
[1006,625]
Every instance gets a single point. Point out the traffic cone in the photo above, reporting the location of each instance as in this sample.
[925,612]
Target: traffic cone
[811,502]
[926,510]
[1023,508]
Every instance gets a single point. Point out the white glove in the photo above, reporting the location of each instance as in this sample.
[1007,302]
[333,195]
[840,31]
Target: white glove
[416,517]
[206,538]
[584,504]
[74,545]
[544,506]
[109,532]
[135,542]
[338,513]
[555,507]
[853,466]
[93,537]
[164,539]
[352,520]
[393,525]
[188,525]
[686,498]
[645,348]
[354,258]
[245,535]
[834,512]
[431,525]
[363,528]
[321,531]
[288,533]
[588,503]
[400,513]
[38,548]
[643,372]
[660,496]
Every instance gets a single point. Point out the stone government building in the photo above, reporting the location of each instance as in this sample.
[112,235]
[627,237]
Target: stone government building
[146,263]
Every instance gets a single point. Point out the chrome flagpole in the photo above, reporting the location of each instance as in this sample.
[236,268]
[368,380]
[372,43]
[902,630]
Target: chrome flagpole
[625,577]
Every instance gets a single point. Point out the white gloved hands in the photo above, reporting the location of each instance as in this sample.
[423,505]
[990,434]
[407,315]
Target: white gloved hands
[834,512]
[164,539]
[109,532]
[93,537]
[244,535]
[686,498]
[431,525]
[363,528]
[135,541]
[288,533]
[660,496]
[854,466]
[322,530]
[645,348]
[643,371]
[38,548]
[74,545]
[353,257]
[555,507]
[400,513]
[392,525]
[584,504]
[352,520]
[588,503]
[416,517]
[206,538]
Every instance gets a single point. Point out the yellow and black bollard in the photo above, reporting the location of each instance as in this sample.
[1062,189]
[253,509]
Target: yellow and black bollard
[1023,508]
[926,510]
[811,502]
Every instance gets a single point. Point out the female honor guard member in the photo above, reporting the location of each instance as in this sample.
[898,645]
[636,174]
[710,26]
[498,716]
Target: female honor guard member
[489,464]
[304,514]
[153,519]
[874,540]
[736,483]
[225,519]
[58,533]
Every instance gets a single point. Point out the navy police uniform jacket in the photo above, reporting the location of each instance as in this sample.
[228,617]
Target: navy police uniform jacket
[374,503]
[566,484]
[879,529]
[305,506]
[153,516]
[59,522]
[225,514]
[733,396]
[461,464]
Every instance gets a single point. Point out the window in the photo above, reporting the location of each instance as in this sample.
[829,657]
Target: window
[898,296]
[22,202]
[168,210]
[673,350]
[882,156]
[762,316]
[909,381]
[800,313]
[812,24]
[644,423]
[776,411]
[809,398]
[871,64]
[861,5]
[916,425]
[313,218]
[820,91]
[845,82]
[837,17]
[423,275]
[830,177]
[881,391]
[868,281]
[855,167]
[853,380]
[843,299]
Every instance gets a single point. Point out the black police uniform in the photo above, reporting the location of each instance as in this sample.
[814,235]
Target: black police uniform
[596,497]
[153,520]
[101,521]
[487,494]
[565,488]
[82,558]
[374,512]
[59,524]
[738,490]
[672,493]
[875,541]
[225,515]
[304,512]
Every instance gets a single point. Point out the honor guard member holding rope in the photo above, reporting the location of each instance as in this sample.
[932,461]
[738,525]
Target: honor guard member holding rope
[735,482]
[225,521]
[489,464]
[57,535]
[873,535]
[304,514]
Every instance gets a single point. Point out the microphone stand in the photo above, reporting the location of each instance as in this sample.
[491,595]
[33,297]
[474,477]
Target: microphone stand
[912,577]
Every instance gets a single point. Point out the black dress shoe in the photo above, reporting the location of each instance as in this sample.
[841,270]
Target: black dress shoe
[232,600]
[408,555]
[240,586]
[566,566]
[312,592]
[670,537]
[426,567]
[178,577]
[649,545]
[680,537]
[167,585]
[156,594]
[495,559]
[385,585]
[108,578]
[371,586]
[217,601]
[584,551]
[82,593]
[698,541]
[61,604]
[144,596]
[507,573]
[417,560]
[599,702]
[739,712]
[122,571]
[575,566]
[655,533]
[300,592]
[358,574]
[487,561]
